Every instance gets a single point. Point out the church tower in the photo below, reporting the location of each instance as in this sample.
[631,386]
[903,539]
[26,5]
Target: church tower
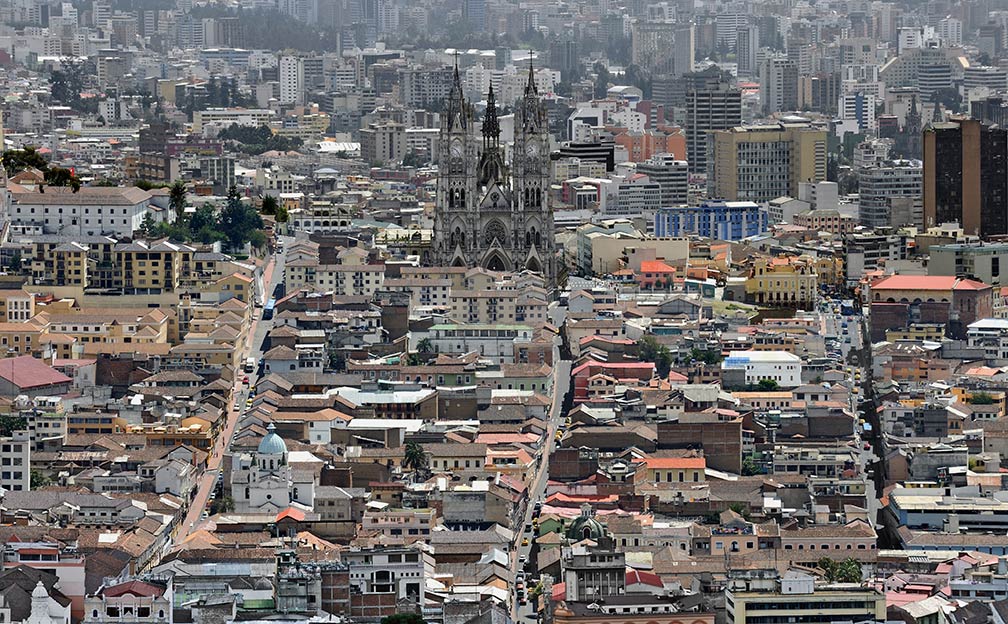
[531,184]
[490,213]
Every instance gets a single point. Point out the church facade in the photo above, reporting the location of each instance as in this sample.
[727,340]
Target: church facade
[492,211]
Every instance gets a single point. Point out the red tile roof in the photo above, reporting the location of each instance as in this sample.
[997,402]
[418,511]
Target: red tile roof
[915,282]
[655,266]
[644,578]
[665,463]
[27,372]
[135,588]
[294,514]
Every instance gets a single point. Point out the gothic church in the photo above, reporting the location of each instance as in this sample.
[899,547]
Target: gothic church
[489,212]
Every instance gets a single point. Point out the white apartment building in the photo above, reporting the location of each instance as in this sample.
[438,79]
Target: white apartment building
[91,211]
[292,80]
[224,117]
[779,366]
[15,462]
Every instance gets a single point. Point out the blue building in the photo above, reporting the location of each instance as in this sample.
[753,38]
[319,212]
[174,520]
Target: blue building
[721,220]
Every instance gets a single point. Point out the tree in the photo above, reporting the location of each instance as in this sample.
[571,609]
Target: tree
[19,160]
[846,571]
[223,504]
[425,346]
[601,79]
[282,216]
[10,423]
[58,176]
[39,480]
[767,385]
[269,205]
[415,458]
[653,351]
[749,467]
[177,199]
[240,223]
[403,618]
[147,226]
[981,398]
[948,97]
[15,261]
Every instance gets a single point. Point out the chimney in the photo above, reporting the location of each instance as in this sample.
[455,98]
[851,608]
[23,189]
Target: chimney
[952,524]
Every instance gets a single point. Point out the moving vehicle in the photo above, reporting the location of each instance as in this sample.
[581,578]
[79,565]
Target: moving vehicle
[245,380]
[268,310]
[524,541]
[249,365]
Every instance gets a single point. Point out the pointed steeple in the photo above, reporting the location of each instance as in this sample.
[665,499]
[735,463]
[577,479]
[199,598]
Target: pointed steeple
[491,126]
[530,86]
[457,107]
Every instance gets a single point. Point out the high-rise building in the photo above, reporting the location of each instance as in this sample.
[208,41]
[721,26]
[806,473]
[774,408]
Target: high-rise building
[889,191]
[475,14]
[761,163]
[746,50]
[708,109]
[490,213]
[292,80]
[652,41]
[670,174]
[778,85]
[932,79]
[966,176]
[859,107]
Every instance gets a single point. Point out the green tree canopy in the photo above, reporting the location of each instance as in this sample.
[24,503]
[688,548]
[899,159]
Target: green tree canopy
[240,222]
[21,159]
[653,351]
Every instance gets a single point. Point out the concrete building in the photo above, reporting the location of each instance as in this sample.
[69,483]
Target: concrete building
[966,176]
[778,85]
[709,107]
[981,261]
[90,211]
[799,597]
[15,457]
[762,163]
[670,175]
[779,366]
[891,194]
[383,143]
[721,220]
[292,80]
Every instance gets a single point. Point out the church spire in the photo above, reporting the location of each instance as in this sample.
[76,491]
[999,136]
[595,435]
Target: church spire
[530,86]
[491,126]
[457,108]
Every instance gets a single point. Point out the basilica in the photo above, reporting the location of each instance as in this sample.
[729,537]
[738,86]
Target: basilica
[492,211]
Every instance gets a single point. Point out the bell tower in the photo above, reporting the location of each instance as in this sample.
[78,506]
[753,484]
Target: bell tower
[455,204]
[531,167]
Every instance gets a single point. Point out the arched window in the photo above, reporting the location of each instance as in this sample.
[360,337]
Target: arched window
[94,613]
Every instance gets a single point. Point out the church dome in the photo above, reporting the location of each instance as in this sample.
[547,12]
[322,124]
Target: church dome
[586,526]
[272,444]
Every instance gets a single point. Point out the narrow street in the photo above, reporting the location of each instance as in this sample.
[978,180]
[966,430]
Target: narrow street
[561,386]
[272,274]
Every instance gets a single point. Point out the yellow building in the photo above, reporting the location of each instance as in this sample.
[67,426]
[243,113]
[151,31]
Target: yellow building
[104,325]
[782,281]
[798,597]
[673,470]
[153,268]
[762,163]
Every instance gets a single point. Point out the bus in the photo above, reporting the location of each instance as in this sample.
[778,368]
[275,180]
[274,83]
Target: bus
[268,310]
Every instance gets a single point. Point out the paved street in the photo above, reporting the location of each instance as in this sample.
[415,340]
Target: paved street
[272,274]
[561,385]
